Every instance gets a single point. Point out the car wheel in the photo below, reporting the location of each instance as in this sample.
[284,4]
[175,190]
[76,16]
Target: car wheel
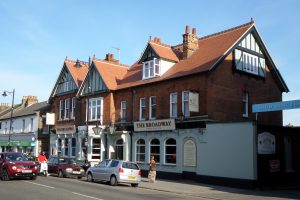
[60,174]
[79,177]
[113,180]
[5,176]
[89,177]
[134,184]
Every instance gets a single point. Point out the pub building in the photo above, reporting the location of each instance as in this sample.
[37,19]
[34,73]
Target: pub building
[188,105]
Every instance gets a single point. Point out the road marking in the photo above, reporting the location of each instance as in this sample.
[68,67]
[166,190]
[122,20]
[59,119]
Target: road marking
[39,184]
[86,196]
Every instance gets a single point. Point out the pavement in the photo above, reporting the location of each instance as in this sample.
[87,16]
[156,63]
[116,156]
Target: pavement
[203,191]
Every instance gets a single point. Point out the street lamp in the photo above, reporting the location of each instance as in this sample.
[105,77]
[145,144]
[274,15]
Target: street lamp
[5,93]
[97,130]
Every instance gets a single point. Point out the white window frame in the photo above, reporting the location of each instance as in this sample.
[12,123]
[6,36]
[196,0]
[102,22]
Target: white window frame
[73,107]
[142,108]
[31,125]
[67,108]
[156,155]
[95,110]
[150,68]
[245,101]
[173,103]
[151,107]
[123,111]
[61,109]
[165,152]
[185,104]
[138,146]
[95,148]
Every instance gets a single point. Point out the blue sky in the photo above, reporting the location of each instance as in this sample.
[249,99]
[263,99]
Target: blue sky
[36,36]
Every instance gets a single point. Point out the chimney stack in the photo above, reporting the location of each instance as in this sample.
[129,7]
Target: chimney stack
[4,106]
[190,42]
[110,58]
[29,100]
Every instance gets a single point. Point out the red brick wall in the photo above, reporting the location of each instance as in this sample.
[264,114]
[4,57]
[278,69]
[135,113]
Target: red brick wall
[55,108]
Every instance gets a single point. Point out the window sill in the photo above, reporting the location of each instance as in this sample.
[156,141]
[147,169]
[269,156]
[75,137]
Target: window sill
[169,165]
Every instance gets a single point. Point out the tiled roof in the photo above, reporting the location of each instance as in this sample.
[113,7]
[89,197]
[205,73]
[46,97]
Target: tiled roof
[211,49]
[78,73]
[163,51]
[110,72]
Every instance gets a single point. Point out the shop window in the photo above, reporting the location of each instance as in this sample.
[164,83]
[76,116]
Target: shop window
[67,147]
[140,150]
[73,154]
[155,149]
[170,151]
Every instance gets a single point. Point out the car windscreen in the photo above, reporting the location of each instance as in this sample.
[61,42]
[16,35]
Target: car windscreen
[70,161]
[129,165]
[16,157]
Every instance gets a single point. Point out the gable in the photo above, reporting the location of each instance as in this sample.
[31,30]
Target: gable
[149,54]
[93,82]
[65,82]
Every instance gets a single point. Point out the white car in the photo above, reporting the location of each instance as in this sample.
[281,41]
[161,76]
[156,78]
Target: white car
[114,172]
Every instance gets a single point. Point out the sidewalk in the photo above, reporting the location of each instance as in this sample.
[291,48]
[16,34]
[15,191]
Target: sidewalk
[194,189]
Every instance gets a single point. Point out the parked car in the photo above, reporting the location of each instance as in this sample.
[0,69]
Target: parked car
[114,172]
[16,165]
[65,167]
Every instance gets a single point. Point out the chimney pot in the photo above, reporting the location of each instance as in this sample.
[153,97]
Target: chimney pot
[187,29]
[194,31]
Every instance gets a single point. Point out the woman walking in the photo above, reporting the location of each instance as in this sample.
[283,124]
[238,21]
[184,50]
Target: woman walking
[152,170]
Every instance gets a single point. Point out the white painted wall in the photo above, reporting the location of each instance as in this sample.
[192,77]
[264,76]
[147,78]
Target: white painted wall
[229,151]
[165,66]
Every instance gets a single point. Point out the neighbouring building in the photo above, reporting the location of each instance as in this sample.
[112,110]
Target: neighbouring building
[26,132]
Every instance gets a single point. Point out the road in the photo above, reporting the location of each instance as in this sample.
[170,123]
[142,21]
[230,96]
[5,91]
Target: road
[53,188]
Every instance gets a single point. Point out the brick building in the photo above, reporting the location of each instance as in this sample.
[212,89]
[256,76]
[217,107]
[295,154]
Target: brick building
[188,104]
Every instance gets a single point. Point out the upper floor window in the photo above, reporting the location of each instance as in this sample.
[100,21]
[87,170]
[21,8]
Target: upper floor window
[66,82]
[142,108]
[245,102]
[95,109]
[173,105]
[152,107]
[73,107]
[123,111]
[31,125]
[185,104]
[61,109]
[94,82]
[67,108]
[151,68]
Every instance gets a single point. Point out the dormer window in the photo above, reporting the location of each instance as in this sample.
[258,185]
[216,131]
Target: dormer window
[151,68]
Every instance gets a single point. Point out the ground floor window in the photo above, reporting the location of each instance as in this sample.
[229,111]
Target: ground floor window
[170,151]
[66,146]
[96,148]
[155,149]
[59,146]
[73,153]
[140,150]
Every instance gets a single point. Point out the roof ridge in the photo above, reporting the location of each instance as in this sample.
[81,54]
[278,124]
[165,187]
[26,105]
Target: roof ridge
[161,44]
[226,31]
[74,61]
[107,62]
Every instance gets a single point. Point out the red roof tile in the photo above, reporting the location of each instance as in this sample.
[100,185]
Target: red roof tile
[78,73]
[164,51]
[211,49]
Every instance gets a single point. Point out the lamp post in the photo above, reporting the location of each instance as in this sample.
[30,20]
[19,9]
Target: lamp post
[97,130]
[5,93]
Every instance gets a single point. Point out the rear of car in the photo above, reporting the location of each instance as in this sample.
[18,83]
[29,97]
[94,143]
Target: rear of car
[70,168]
[129,172]
[16,165]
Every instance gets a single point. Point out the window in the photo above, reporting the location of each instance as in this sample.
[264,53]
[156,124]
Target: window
[96,148]
[152,109]
[23,126]
[151,68]
[31,125]
[155,149]
[140,150]
[170,151]
[61,109]
[66,146]
[185,104]
[173,105]
[67,108]
[59,146]
[73,154]
[245,102]
[95,109]
[123,111]
[142,108]
[73,107]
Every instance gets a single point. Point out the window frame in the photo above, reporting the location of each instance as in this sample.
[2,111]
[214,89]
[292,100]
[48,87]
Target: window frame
[152,107]
[95,110]
[175,104]
[142,109]
[73,107]
[139,153]
[123,111]
[67,109]
[151,68]
[184,102]
[93,155]
[156,155]
[168,154]
[245,104]
[61,109]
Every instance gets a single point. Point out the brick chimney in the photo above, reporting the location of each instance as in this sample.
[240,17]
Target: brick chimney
[110,58]
[4,106]
[190,42]
[29,100]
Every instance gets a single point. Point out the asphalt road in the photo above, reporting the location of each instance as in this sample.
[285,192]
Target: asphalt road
[54,188]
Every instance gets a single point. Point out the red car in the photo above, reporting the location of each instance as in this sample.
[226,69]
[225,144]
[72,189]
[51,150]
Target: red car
[16,165]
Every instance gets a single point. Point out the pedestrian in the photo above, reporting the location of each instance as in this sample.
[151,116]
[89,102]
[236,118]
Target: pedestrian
[42,159]
[152,170]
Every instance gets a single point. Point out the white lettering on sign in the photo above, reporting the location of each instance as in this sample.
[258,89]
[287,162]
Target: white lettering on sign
[155,125]
[284,105]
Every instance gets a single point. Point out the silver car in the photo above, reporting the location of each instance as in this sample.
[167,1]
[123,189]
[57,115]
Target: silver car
[114,172]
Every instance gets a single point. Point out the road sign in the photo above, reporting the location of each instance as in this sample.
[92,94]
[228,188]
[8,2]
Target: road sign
[275,106]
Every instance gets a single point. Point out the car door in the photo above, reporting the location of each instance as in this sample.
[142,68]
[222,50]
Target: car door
[1,163]
[50,165]
[99,170]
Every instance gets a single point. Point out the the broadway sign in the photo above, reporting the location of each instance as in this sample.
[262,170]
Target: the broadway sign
[155,125]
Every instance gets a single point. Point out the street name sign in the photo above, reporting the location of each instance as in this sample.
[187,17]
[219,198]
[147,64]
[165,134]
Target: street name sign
[275,106]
